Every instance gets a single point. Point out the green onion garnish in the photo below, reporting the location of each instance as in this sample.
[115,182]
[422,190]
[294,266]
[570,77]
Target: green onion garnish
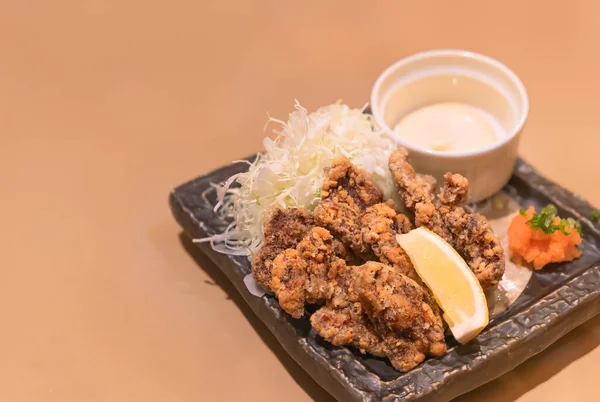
[545,222]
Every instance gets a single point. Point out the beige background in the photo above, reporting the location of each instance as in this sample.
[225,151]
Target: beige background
[105,106]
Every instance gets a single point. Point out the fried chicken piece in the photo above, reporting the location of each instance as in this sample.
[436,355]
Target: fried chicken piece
[472,234]
[348,325]
[312,272]
[414,188]
[455,191]
[347,191]
[398,305]
[284,228]
[380,225]
[387,318]
[383,313]
[417,193]
[410,327]
[357,183]
[307,273]
[469,233]
[288,281]
[343,320]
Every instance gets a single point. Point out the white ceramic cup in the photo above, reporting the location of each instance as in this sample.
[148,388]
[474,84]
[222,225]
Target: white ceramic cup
[456,76]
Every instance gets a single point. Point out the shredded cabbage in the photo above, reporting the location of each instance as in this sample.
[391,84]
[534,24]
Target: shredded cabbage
[291,170]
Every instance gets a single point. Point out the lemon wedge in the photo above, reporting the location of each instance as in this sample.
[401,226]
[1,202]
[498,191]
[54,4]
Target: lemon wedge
[452,282]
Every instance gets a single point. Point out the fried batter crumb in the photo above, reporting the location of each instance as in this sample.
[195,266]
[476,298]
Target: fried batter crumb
[384,317]
[372,307]
[284,228]
[455,191]
[414,188]
[380,225]
[348,325]
[398,306]
[347,192]
[302,275]
[469,233]
[476,241]
[356,182]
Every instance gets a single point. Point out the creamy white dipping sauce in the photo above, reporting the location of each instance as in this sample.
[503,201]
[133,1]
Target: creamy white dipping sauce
[450,127]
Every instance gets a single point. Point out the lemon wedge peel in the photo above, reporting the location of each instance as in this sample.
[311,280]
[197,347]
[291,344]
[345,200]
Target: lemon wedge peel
[453,284]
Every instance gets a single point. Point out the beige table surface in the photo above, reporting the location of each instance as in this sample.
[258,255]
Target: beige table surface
[105,106]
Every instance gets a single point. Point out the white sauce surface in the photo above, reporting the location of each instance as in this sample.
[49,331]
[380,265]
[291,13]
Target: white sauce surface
[450,127]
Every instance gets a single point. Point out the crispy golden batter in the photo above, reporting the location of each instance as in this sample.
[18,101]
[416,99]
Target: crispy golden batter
[469,233]
[428,183]
[343,321]
[307,273]
[284,228]
[348,325]
[380,225]
[356,182]
[398,305]
[417,193]
[311,273]
[472,234]
[384,313]
[288,281]
[414,188]
[347,192]
[371,307]
[455,191]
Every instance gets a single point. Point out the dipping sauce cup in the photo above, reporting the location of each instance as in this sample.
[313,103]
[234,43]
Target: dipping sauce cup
[454,80]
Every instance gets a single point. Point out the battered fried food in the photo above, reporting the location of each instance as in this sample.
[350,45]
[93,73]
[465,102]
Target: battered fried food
[469,233]
[375,307]
[352,210]
[455,191]
[371,307]
[348,325]
[343,321]
[384,313]
[284,228]
[472,234]
[307,273]
[343,252]
[398,307]
[380,225]
[414,188]
[312,272]
[417,193]
[356,183]
[397,303]
[288,281]
[347,191]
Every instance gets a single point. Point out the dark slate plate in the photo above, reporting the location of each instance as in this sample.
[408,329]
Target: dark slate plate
[556,300]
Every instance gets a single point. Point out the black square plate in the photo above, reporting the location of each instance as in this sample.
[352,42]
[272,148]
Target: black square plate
[556,300]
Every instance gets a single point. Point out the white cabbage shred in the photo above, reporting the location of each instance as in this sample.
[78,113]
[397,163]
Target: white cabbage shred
[291,170]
